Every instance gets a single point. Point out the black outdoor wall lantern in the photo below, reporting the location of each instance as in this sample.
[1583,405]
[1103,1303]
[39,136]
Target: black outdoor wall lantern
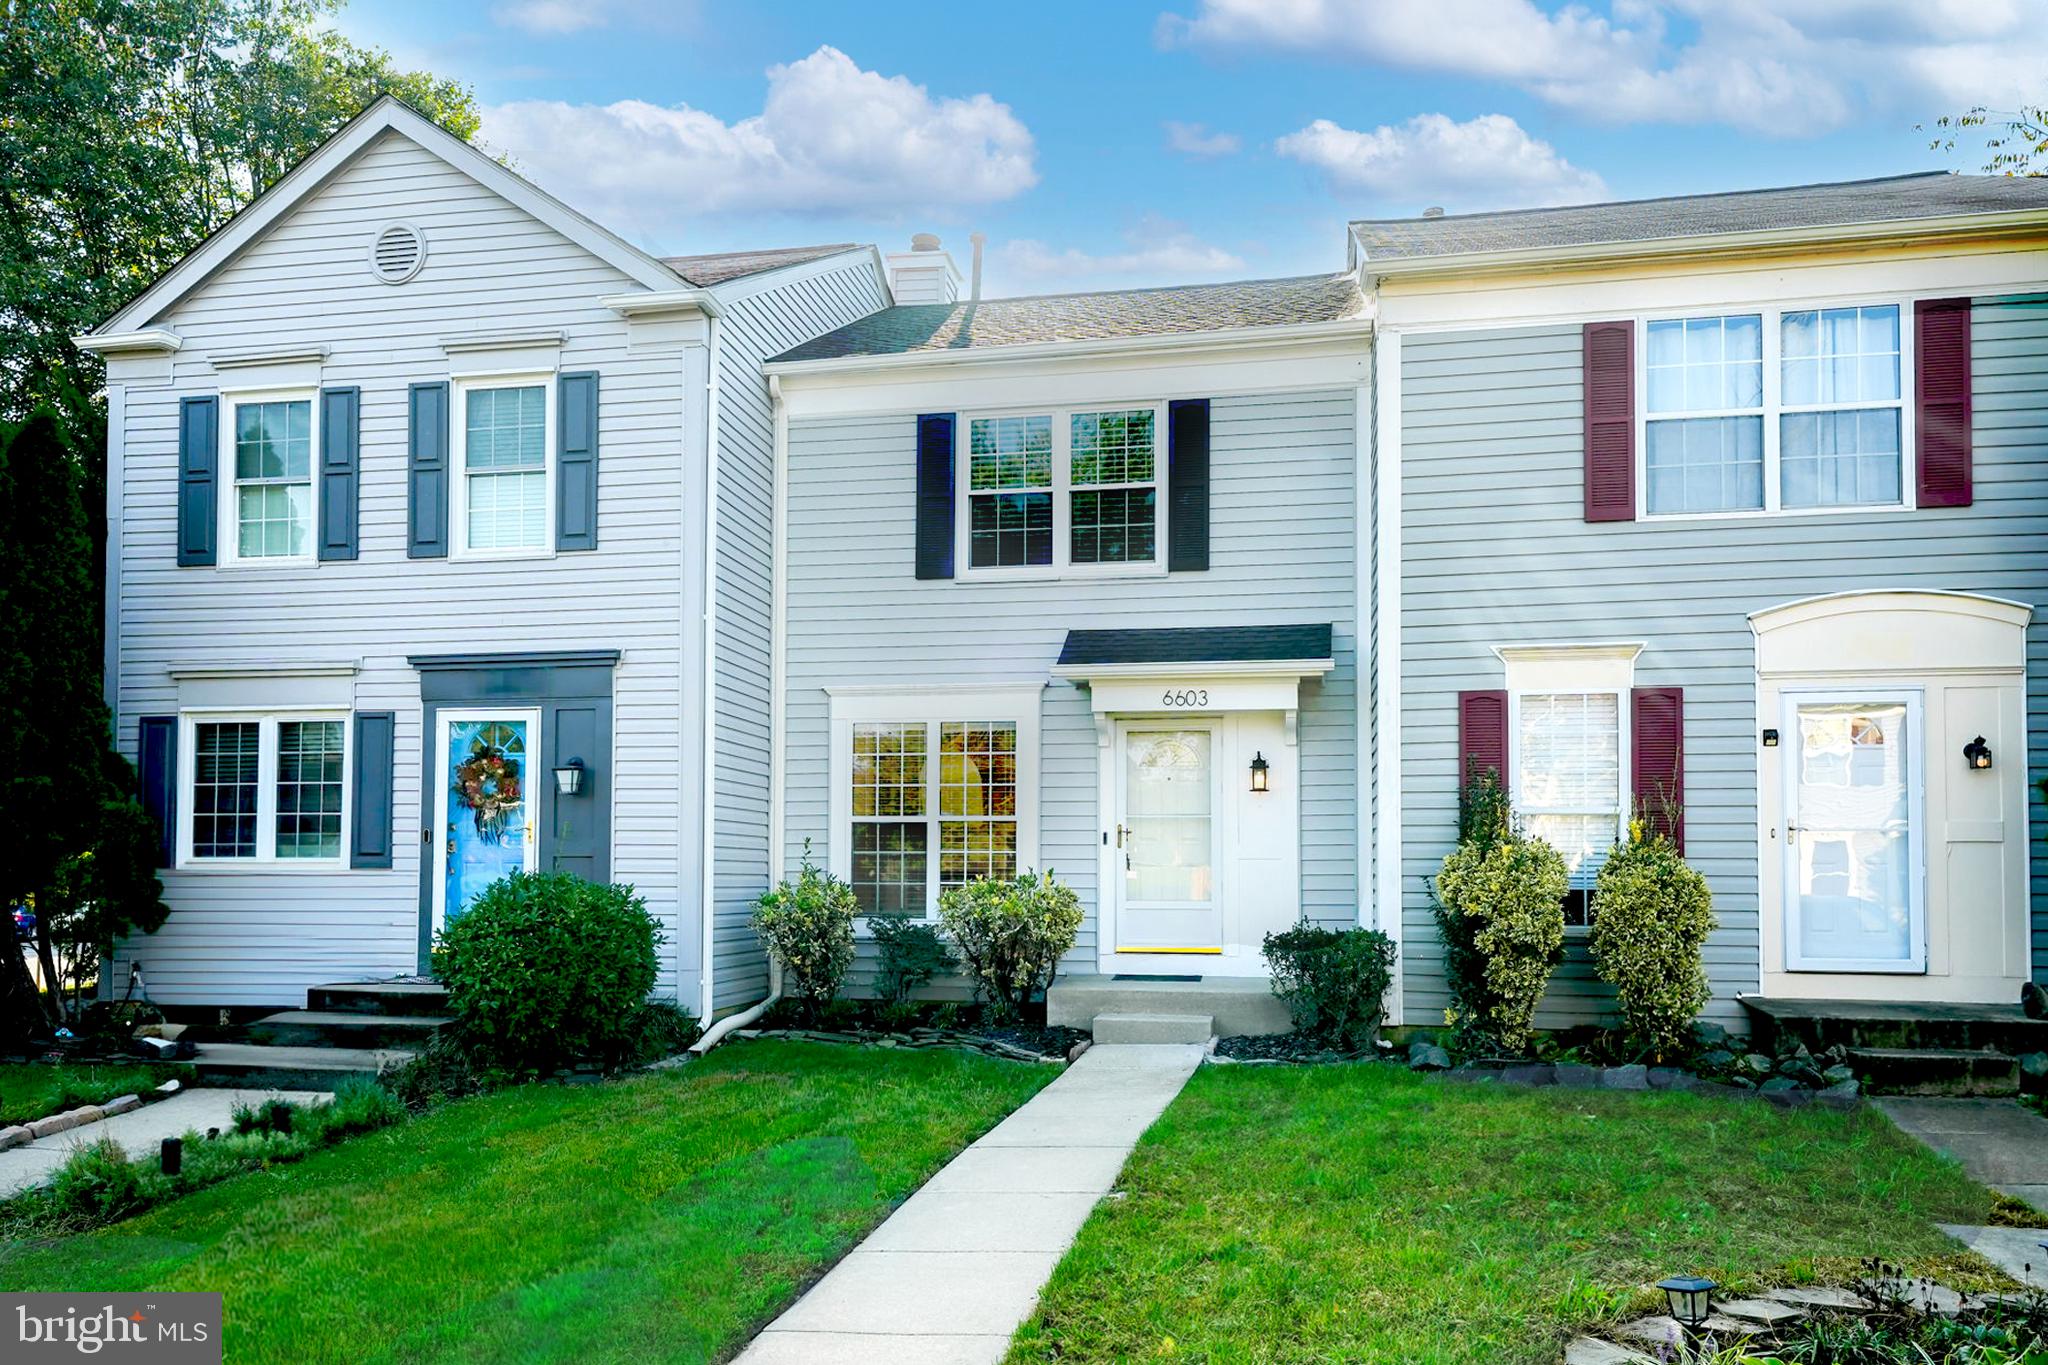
[1691,1299]
[569,777]
[1977,754]
[1259,768]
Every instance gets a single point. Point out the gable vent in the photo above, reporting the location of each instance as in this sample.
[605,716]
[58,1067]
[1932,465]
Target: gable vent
[397,253]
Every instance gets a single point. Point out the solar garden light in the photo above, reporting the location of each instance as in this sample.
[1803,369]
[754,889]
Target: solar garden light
[1691,1299]
[173,1155]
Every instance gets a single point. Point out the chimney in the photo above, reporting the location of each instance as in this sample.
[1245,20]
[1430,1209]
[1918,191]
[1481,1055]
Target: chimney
[923,274]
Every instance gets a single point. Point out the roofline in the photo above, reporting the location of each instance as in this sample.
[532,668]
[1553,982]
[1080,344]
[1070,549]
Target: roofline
[1534,209]
[387,113]
[647,301]
[1300,334]
[1278,668]
[1700,244]
[146,341]
[746,286]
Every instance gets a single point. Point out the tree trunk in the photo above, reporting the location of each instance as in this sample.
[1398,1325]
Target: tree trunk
[22,1020]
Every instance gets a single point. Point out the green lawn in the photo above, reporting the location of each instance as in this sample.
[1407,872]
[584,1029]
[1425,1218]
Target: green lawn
[30,1090]
[657,1219]
[1363,1214]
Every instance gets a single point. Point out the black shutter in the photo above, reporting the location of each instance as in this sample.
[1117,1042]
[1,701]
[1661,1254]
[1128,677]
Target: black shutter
[370,843]
[1187,484]
[340,454]
[156,762]
[198,502]
[427,472]
[935,495]
[576,461]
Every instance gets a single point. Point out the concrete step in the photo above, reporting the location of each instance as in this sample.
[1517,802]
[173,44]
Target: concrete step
[379,997]
[289,1068]
[1154,1028]
[1237,1004]
[1902,1025]
[1935,1071]
[335,1028]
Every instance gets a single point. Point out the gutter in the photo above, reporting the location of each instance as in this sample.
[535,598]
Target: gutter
[716,1034]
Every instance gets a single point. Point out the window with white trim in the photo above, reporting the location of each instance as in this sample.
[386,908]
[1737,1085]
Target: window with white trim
[505,469]
[265,788]
[1799,409]
[931,789]
[270,490]
[1062,489]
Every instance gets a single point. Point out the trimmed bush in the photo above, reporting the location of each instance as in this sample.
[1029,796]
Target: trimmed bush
[99,1184]
[1334,981]
[547,969]
[1500,910]
[1651,917]
[808,925]
[909,953]
[1012,935]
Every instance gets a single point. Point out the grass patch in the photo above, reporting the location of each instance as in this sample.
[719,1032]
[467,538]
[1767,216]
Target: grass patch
[1361,1213]
[33,1090]
[661,1218]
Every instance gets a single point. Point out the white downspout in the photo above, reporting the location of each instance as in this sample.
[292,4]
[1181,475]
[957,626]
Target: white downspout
[708,688]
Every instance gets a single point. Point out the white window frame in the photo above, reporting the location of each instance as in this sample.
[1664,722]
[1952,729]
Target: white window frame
[459,389]
[1773,315]
[932,707]
[1578,669]
[1062,489]
[267,721]
[229,510]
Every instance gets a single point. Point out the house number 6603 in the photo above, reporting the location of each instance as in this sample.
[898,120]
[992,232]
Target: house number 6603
[1193,696]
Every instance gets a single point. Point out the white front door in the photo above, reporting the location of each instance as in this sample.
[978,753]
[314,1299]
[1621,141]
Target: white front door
[485,806]
[1168,839]
[1854,864]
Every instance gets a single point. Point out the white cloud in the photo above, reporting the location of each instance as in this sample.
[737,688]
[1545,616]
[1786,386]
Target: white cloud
[1785,67]
[1195,139]
[830,138]
[1488,162]
[1156,252]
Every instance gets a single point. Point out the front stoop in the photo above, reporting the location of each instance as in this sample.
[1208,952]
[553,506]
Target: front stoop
[1935,1071]
[1900,1047]
[355,1028]
[1154,1028]
[1235,1005]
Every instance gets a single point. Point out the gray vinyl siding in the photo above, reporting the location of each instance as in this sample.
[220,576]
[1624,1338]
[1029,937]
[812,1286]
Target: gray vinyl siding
[750,330]
[1495,551]
[1283,544]
[263,937]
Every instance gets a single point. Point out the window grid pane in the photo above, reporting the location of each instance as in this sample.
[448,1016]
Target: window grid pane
[977,801]
[507,428]
[890,831]
[224,789]
[1006,530]
[1568,775]
[1841,458]
[504,457]
[1705,364]
[309,786]
[1705,464]
[1009,452]
[508,511]
[273,479]
[1112,447]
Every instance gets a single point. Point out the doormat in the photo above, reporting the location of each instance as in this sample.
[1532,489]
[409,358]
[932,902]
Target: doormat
[1144,976]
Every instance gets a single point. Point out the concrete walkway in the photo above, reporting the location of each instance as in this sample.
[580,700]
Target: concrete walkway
[957,1269]
[2001,1143]
[140,1133]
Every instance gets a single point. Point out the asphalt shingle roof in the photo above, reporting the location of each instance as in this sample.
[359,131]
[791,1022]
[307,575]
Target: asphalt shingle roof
[720,266]
[1931,194]
[1197,645]
[930,327]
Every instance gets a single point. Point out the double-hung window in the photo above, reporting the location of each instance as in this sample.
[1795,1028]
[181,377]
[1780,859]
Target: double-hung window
[269,511]
[504,487]
[932,793]
[1568,785]
[1769,411]
[1065,489]
[264,788]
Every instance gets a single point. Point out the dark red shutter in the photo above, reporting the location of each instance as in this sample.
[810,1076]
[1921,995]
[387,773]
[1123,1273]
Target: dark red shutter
[1482,736]
[1941,386]
[1610,421]
[1657,742]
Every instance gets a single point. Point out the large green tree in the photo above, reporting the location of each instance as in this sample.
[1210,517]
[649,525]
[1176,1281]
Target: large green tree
[131,129]
[2015,141]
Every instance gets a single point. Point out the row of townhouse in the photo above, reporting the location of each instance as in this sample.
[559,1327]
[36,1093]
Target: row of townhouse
[1204,598]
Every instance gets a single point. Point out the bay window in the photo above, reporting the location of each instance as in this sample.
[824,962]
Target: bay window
[1060,490]
[264,789]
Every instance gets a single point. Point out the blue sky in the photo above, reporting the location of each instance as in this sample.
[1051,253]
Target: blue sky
[1113,144]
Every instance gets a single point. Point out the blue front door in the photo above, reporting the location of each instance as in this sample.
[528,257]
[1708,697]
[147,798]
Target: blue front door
[486,803]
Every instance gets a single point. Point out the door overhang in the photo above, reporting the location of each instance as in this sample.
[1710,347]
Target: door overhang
[1196,671]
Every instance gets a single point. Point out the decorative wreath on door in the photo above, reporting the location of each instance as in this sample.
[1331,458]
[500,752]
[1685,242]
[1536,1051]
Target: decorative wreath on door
[487,784]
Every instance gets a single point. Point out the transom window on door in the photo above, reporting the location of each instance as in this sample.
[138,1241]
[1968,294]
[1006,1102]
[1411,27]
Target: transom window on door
[271,498]
[1774,411]
[506,453]
[1568,786]
[1054,490]
[933,804]
[265,788]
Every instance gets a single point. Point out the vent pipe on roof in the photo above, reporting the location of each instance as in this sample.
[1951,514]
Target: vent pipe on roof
[1433,211]
[974,286]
